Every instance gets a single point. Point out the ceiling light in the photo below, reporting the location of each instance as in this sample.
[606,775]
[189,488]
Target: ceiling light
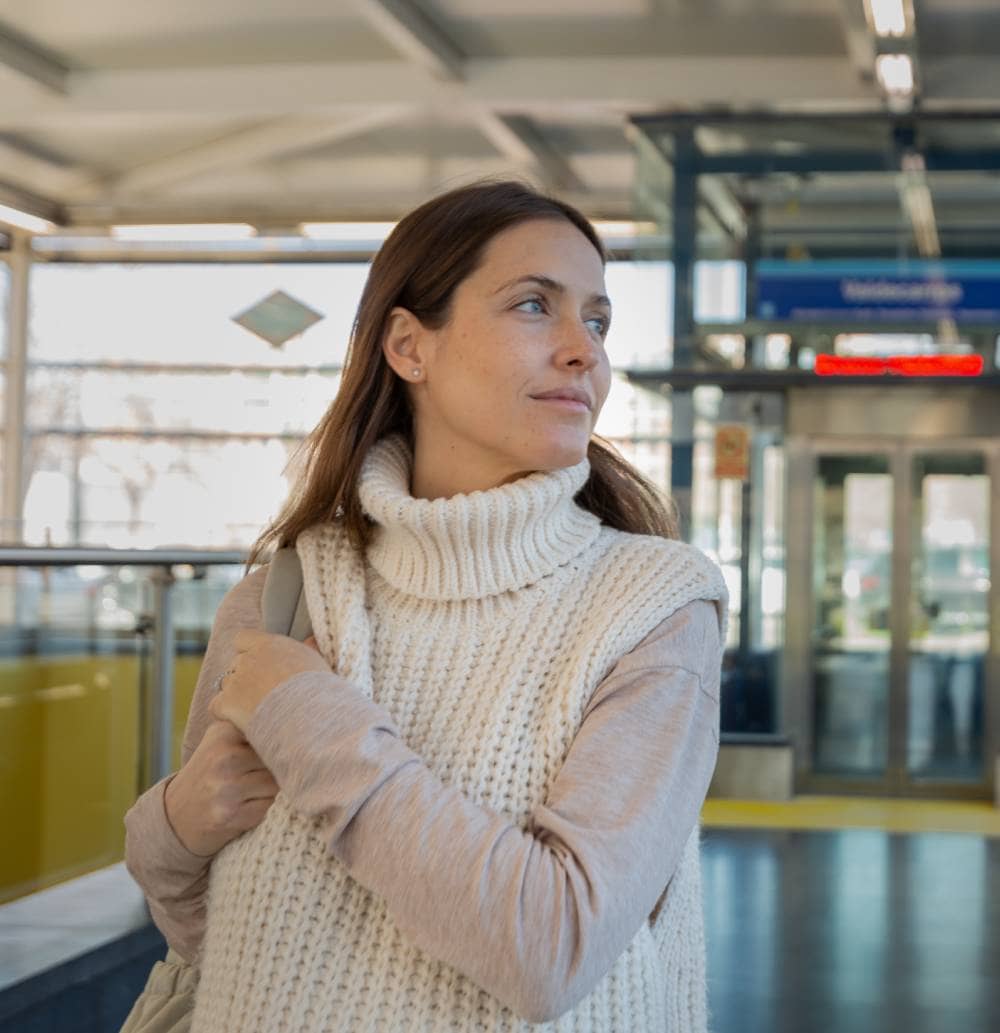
[182,233]
[623,228]
[24,221]
[895,73]
[890,17]
[365,232]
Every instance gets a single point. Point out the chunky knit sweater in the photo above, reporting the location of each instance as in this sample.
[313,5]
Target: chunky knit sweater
[471,648]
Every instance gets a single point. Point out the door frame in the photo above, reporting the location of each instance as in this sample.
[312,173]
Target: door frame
[797,690]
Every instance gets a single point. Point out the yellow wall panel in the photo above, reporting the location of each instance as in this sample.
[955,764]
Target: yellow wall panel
[69,734]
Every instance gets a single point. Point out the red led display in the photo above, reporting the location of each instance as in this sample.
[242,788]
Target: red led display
[900,365]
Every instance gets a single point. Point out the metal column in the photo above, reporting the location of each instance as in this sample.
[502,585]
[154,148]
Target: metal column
[757,346]
[19,262]
[160,708]
[684,206]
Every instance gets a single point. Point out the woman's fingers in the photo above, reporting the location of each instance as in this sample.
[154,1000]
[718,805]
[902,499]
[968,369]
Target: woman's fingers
[253,812]
[259,785]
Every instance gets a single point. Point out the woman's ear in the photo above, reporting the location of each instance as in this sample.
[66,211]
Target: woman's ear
[402,343]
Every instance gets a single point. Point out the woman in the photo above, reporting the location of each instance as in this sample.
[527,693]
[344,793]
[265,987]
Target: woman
[492,757]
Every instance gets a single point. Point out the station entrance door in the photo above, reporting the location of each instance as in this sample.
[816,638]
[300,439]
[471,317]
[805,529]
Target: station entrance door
[891,674]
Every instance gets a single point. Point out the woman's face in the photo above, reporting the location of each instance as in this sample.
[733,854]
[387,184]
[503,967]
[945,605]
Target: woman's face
[529,322]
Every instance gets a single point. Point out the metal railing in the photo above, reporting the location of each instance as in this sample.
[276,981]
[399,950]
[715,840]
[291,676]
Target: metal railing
[161,623]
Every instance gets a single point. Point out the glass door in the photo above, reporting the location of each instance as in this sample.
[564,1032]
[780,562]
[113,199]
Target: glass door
[895,617]
[949,617]
[852,578]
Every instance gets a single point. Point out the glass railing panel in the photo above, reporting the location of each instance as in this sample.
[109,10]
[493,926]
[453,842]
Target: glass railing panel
[76,693]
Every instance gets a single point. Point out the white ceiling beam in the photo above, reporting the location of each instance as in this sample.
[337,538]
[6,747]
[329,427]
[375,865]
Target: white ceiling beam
[31,61]
[419,38]
[245,147]
[724,205]
[358,206]
[416,36]
[515,85]
[857,37]
[25,168]
[522,143]
[503,138]
[16,196]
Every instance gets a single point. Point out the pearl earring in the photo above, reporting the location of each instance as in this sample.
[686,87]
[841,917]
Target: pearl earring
[416,372]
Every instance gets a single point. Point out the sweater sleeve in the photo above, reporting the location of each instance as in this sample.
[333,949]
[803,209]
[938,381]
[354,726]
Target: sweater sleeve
[535,917]
[173,879]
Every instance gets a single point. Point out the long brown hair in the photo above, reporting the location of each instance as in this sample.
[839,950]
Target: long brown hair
[428,254]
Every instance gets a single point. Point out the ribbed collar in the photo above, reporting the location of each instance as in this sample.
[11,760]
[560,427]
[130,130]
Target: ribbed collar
[475,545]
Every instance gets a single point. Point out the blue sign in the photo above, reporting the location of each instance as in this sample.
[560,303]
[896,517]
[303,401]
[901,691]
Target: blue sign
[967,292]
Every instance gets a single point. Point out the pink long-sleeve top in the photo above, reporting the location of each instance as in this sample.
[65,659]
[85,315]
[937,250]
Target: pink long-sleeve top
[619,813]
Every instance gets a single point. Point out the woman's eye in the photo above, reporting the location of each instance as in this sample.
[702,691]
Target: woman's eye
[600,324]
[539,305]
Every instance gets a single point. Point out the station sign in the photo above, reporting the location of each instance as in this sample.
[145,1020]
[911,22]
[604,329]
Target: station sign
[967,292]
[732,451]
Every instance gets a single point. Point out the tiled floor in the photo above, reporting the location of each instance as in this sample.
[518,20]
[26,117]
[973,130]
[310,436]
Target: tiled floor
[848,931]
[47,928]
[854,931]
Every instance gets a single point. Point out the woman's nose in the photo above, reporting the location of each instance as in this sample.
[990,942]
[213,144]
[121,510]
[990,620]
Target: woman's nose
[579,346]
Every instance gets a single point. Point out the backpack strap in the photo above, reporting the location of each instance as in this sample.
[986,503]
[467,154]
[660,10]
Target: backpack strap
[283,602]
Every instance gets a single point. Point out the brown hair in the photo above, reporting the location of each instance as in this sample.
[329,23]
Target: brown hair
[428,254]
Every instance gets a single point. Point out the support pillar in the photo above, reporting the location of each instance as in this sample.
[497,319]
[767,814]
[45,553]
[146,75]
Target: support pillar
[19,262]
[160,706]
[684,206]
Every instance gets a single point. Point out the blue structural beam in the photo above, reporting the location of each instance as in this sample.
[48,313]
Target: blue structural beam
[685,209]
[761,162]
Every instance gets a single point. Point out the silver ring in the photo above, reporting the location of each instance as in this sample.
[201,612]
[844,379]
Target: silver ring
[218,681]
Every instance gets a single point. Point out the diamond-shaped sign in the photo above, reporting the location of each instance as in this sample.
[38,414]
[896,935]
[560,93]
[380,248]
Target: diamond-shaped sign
[278,318]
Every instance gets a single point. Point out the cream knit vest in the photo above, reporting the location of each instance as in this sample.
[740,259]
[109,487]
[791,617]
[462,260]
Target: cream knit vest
[483,623]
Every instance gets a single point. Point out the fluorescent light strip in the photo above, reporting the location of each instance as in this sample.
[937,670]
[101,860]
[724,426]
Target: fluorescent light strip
[341,231]
[623,228]
[181,233]
[24,221]
[891,18]
[895,73]
[378,231]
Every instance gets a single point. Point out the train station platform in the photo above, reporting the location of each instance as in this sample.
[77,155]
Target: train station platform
[826,915]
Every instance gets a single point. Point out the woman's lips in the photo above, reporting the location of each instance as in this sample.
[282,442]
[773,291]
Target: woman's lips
[571,404]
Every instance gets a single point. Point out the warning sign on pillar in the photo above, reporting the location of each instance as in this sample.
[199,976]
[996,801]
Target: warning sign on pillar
[732,452]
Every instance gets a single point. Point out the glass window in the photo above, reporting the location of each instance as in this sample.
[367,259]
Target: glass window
[175,314]
[237,401]
[642,320]
[155,419]
[138,492]
[719,291]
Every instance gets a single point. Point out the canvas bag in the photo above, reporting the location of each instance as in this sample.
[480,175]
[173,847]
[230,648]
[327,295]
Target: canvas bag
[166,1003]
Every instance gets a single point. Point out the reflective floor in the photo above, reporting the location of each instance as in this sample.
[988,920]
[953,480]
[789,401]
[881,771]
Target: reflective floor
[852,931]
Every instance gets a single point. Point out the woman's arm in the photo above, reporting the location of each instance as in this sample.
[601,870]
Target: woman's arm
[173,878]
[537,918]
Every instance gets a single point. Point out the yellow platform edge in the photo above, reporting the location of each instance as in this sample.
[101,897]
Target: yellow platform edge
[839,812]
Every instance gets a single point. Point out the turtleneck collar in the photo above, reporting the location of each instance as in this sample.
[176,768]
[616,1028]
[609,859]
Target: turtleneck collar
[475,545]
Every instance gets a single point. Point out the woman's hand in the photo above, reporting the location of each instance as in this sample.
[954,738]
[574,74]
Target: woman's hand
[263,661]
[222,791]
